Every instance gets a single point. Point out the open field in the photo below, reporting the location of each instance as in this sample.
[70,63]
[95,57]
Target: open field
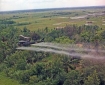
[55,18]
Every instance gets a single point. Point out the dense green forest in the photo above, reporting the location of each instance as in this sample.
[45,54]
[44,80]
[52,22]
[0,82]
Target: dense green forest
[42,68]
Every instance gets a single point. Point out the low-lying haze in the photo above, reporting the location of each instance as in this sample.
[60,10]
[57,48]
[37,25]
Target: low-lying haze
[7,5]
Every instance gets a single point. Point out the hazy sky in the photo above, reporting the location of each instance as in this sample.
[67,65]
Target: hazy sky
[6,5]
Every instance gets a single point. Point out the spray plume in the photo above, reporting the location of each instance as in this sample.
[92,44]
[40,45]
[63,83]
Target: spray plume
[64,50]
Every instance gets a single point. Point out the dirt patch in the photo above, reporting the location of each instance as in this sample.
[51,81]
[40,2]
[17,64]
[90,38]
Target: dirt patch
[60,23]
[103,24]
[63,17]
[57,24]
[79,17]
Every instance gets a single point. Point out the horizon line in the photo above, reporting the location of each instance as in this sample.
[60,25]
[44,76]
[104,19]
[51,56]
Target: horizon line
[42,9]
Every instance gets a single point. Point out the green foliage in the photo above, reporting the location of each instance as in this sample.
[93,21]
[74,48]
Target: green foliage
[53,34]
[73,78]
[24,77]
[64,40]
[8,41]
[92,79]
[33,79]
[7,81]
[39,69]
[85,37]
[21,65]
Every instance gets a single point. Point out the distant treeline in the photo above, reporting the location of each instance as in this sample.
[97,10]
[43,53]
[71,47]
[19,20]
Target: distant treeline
[7,22]
[51,9]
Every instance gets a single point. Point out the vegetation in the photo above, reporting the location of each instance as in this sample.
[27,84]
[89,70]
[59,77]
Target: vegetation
[7,81]
[42,68]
